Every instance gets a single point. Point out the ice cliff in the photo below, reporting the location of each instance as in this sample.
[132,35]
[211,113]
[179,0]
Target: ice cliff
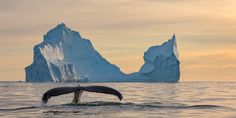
[64,56]
[161,63]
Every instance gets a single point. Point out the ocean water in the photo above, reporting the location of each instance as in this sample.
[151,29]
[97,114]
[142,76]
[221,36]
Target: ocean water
[152,100]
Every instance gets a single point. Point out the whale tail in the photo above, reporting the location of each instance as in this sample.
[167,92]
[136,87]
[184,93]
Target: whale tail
[66,90]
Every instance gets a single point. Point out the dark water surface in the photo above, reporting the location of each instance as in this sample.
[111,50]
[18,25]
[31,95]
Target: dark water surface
[184,99]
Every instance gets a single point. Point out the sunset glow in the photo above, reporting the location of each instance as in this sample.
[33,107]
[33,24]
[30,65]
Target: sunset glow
[122,30]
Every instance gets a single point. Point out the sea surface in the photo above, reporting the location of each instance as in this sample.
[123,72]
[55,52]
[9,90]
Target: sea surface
[141,100]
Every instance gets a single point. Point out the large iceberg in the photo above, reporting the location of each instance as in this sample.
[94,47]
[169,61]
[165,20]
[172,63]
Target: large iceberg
[64,56]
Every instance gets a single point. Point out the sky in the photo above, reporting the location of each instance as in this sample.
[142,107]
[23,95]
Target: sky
[122,30]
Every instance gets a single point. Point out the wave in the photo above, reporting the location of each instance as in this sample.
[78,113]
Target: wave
[153,105]
[20,108]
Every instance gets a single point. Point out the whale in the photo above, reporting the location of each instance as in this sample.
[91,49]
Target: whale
[77,90]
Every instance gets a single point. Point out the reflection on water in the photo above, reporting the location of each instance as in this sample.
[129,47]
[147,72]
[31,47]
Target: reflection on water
[184,99]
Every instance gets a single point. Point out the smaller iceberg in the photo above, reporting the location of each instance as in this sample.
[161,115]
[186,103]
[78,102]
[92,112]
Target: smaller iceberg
[161,63]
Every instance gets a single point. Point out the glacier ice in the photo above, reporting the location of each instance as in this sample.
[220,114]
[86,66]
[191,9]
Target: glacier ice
[161,63]
[64,56]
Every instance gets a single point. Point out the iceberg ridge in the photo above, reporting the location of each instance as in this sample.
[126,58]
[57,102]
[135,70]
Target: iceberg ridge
[64,56]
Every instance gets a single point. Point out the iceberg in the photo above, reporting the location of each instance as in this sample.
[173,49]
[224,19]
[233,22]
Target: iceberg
[161,63]
[65,56]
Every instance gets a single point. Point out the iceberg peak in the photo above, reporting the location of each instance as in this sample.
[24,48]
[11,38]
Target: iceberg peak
[61,25]
[60,32]
[173,37]
[174,47]
[166,49]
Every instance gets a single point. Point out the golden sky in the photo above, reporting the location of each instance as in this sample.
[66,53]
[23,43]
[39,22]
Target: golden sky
[121,30]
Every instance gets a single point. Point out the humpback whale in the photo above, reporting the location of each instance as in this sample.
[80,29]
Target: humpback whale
[78,92]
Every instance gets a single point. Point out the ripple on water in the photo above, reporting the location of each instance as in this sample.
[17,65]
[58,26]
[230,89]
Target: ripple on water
[140,100]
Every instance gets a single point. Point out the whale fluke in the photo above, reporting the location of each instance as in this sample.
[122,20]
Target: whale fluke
[103,89]
[66,90]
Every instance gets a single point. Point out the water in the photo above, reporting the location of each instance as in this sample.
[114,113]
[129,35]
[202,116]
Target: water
[184,99]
